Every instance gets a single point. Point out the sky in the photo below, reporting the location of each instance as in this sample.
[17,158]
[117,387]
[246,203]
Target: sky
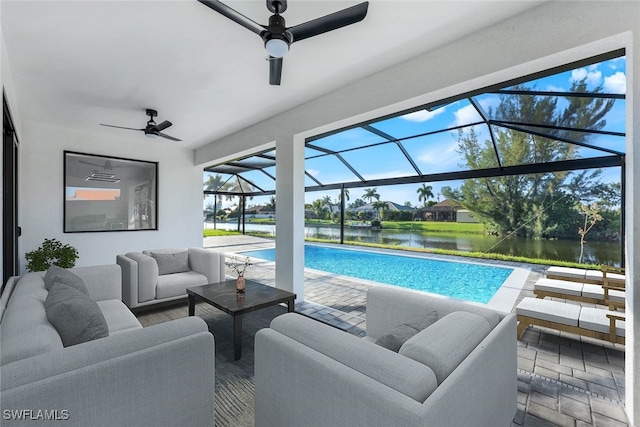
[438,152]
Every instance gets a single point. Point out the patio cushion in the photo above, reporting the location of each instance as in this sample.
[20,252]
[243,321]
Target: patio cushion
[401,333]
[549,310]
[612,277]
[76,317]
[171,262]
[596,319]
[171,285]
[58,274]
[118,316]
[446,343]
[597,291]
[562,286]
[568,272]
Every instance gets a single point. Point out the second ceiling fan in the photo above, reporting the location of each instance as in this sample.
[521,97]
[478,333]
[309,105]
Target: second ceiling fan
[278,37]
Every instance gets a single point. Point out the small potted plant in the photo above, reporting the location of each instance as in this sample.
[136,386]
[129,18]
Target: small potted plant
[239,265]
[51,252]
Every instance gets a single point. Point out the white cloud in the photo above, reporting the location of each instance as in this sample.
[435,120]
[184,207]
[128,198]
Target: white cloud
[593,76]
[615,83]
[439,154]
[313,172]
[422,115]
[552,88]
[466,115]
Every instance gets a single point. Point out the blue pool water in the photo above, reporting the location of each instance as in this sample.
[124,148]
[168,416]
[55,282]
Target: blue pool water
[467,281]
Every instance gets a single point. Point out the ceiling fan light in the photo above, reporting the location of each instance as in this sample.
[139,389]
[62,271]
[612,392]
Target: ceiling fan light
[276,47]
[150,135]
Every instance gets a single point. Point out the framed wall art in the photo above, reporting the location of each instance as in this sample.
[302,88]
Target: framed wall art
[104,193]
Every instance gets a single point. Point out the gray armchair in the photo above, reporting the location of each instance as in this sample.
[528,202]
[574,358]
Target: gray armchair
[160,275]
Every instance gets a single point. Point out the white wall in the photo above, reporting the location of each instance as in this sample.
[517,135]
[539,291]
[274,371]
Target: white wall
[553,34]
[42,194]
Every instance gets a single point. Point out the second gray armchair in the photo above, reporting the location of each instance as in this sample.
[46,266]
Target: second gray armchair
[160,275]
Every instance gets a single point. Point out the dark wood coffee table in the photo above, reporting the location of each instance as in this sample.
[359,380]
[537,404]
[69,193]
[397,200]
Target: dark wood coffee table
[223,296]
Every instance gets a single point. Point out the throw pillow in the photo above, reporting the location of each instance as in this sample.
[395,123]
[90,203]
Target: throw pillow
[401,333]
[76,317]
[62,275]
[171,263]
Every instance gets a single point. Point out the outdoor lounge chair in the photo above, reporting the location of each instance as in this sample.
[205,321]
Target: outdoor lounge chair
[613,276]
[614,297]
[585,321]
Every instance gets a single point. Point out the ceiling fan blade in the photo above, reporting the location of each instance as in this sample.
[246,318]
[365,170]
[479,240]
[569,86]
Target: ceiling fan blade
[162,126]
[119,127]
[164,135]
[235,16]
[330,22]
[275,70]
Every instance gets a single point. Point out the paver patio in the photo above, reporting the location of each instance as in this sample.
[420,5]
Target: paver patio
[563,379]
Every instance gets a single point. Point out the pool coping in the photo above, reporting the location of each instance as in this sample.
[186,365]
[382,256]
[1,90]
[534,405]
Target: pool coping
[503,300]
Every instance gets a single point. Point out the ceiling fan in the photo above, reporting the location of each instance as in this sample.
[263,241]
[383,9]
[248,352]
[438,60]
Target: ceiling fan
[277,37]
[152,130]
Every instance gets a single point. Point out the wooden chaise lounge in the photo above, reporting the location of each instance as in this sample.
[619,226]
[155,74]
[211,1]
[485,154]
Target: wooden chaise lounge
[612,276]
[612,296]
[591,322]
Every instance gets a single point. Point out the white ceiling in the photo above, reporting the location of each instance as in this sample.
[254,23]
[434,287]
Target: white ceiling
[76,64]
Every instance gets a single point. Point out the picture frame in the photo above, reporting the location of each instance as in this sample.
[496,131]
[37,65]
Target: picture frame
[105,194]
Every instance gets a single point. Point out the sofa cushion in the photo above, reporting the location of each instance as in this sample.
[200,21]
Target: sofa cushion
[173,285]
[58,274]
[118,316]
[446,343]
[171,262]
[394,339]
[76,317]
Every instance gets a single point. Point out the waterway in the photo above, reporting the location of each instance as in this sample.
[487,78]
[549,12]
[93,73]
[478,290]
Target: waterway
[562,250]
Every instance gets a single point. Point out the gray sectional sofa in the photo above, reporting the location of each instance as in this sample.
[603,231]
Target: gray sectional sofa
[459,371]
[162,275]
[159,375]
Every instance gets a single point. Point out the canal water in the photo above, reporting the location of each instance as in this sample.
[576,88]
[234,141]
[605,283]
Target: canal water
[562,250]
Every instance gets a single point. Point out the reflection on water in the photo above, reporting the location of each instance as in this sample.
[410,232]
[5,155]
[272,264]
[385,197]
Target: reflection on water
[563,250]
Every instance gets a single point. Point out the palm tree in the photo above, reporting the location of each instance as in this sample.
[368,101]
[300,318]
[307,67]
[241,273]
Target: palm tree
[425,192]
[346,195]
[213,183]
[380,207]
[370,194]
[319,208]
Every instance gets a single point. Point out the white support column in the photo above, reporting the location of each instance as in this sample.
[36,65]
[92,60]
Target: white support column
[290,215]
[632,234]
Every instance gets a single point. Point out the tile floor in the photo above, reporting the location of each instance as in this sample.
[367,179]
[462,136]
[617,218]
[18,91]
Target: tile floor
[563,379]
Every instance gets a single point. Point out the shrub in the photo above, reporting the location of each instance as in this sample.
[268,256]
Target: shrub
[51,252]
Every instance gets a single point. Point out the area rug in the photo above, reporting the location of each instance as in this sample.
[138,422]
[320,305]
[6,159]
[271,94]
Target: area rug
[234,391]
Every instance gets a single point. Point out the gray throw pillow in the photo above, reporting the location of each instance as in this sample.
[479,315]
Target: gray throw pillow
[62,275]
[76,317]
[401,333]
[170,263]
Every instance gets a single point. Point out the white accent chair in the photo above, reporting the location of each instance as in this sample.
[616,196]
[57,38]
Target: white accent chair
[162,275]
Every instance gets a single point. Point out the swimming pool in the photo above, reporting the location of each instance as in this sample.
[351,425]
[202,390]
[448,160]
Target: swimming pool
[469,281]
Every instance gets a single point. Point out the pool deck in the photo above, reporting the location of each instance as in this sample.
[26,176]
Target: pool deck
[563,379]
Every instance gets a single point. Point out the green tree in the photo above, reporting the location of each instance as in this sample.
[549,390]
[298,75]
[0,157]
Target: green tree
[591,214]
[525,204]
[271,204]
[319,208]
[370,194]
[381,207]
[424,193]
[213,183]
